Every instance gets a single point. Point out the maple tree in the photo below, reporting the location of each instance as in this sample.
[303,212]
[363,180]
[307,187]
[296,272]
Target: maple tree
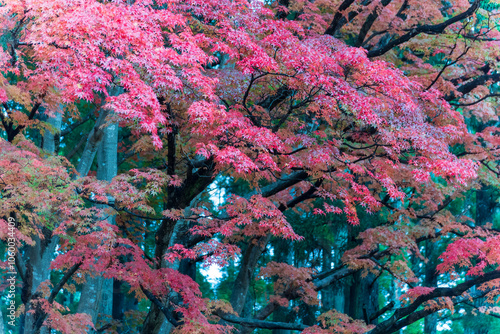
[376,115]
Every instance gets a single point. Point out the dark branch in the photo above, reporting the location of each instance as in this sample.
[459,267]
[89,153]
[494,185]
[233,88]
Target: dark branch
[475,102]
[407,315]
[165,310]
[54,292]
[283,183]
[260,323]
[448,64]
[369,23]
[339,16]
[384,309]
[471,85]
[73,126]
[431,29]
[16,131]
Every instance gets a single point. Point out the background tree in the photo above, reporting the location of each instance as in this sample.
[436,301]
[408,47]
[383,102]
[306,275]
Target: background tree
[326,149]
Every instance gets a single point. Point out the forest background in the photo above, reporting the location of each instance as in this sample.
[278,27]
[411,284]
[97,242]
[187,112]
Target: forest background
[337,160]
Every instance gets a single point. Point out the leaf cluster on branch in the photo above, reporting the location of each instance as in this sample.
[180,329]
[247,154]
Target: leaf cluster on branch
[329,110]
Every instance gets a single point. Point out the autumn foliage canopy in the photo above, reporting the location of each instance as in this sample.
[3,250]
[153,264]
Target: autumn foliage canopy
[240,125]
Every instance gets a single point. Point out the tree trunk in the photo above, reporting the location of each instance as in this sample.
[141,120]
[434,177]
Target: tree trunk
[395,296]
[363,297]
[339,301]
[246,272]
[93,142]
[40,255]
[51,140]
[97,293]
[281,315]
[39,258]
[155,321]
[282,253]
[430,324]
[486,202]
[328,293]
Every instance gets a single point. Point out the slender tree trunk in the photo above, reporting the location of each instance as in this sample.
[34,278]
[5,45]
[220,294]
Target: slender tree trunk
[282,253]
[246,272]
[50,139]
[430,324]
[118,300]
[93,142]
[155,321]
[362,294]
[395,295]
[40,255]
[97,293]
[341,239]
[328,293]
[486,202]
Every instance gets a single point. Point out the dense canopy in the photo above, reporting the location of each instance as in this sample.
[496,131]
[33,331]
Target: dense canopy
[334,163]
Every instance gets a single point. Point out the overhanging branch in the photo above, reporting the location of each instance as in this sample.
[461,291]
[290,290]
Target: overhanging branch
[431,29]
[255,323]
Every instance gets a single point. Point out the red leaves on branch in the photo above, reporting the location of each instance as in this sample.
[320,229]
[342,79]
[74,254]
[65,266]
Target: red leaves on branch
[242,94]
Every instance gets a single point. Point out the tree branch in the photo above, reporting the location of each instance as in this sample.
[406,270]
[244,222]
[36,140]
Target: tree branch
[337,19]
[73,126]
[478,81]
[255,323]
[448,64]
[17,130]
[369,22]
[54,292]
[407,315]
[431,29]
[475,102]
[283,183]
[165,310]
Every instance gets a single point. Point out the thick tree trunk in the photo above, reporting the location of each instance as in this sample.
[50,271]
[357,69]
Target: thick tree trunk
[363,297]
[97,293]
[155,322]
[93,300]
[39,258]
[122,301]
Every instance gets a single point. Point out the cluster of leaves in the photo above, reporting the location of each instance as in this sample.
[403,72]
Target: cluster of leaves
[255,93]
